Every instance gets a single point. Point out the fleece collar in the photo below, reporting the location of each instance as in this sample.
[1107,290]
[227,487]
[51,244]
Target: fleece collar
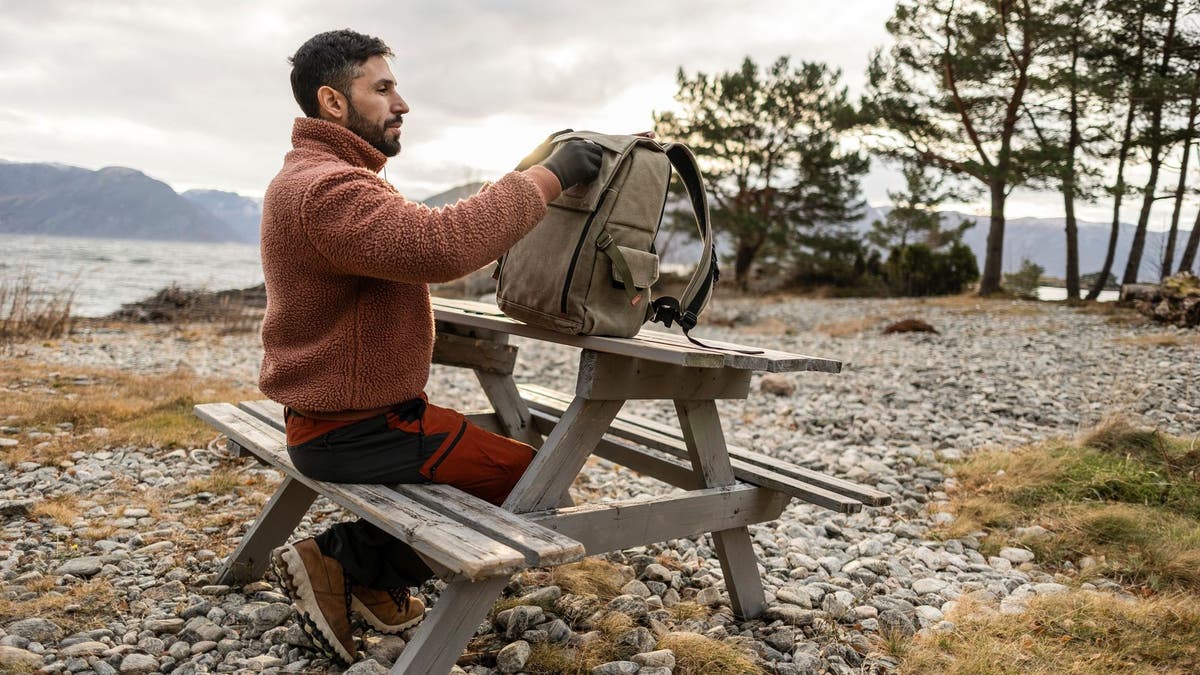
[313,133]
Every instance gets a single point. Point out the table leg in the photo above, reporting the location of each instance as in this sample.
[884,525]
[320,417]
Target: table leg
[278,519]
[440,639]
[448,627]
[510,408]
[701,427]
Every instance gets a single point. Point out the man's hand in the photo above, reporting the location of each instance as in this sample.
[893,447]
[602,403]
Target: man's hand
[575,162]
[541,152]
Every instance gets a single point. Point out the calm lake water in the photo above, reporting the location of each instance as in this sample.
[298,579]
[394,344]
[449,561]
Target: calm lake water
[108,272]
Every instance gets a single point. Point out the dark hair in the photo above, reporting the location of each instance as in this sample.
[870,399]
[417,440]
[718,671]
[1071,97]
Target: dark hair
[331,58]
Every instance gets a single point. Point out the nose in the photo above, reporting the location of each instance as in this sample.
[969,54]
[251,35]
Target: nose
[399,106]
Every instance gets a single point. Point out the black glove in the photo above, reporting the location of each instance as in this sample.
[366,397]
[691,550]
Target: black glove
[575,162]
[541,152]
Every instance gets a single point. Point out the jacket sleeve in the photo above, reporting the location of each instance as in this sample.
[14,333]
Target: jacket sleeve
[363,227]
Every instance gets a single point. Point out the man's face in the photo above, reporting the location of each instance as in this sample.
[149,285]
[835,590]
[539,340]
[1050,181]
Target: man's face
[375,108]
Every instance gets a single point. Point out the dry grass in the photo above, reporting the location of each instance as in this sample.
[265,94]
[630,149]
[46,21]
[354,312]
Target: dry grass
[1079,632]
[222,481]
[699,655]
[63,509]
[590,576]
[1129,498]
[75,608]
[29,311]
[849,327]
[970,303]
[1160,340]
[145,410]
[683,611]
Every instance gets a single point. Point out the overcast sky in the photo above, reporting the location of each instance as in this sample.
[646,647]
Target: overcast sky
[196,93]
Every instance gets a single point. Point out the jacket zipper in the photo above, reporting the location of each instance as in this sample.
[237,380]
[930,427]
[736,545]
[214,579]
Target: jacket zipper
[446,453]
[579,247]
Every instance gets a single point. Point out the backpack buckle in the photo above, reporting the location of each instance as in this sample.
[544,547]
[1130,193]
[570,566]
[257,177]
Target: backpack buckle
[604,240]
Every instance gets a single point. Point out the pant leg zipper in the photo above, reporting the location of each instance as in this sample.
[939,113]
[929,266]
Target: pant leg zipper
[446,453]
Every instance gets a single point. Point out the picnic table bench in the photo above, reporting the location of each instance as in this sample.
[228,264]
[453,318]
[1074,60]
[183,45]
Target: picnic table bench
[475,546]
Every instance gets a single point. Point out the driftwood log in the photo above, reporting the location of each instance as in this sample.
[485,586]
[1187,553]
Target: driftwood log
[1176,301]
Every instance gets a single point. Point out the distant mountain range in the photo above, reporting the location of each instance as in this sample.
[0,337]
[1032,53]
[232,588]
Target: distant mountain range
[122,203]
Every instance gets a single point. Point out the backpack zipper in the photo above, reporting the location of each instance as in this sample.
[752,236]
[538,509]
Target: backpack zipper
[446,453]
[579,247]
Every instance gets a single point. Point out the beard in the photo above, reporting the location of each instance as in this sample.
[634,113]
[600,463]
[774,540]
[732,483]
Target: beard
[376,135]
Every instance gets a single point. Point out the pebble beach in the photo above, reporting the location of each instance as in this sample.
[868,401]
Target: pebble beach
[904,409]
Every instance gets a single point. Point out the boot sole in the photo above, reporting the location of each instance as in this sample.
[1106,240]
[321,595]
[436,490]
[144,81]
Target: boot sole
[377,623]
[294,577]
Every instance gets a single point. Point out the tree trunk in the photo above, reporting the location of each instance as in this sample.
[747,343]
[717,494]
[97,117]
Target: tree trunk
[1168,260]
[989,283]
[1119,185]
[1069,179]
[742,260]
[1189,251]
[1136,248]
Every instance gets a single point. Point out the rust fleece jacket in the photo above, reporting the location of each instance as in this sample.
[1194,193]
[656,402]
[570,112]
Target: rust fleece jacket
[347,260]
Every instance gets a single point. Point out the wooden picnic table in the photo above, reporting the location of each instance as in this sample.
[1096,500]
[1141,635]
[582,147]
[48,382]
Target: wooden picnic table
[475,546]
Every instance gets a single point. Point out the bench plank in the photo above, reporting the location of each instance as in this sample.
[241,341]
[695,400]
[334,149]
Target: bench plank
[458,548]
[671,470]
[668,439]
[542,547]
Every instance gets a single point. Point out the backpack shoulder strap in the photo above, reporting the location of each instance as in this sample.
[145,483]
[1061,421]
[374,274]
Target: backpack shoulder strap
[686,309]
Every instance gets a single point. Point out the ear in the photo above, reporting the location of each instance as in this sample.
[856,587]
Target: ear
[333,105]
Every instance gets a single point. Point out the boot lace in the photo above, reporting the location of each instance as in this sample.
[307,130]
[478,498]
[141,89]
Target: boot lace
[400,596]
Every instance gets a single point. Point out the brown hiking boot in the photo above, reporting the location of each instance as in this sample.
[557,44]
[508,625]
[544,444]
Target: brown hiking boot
[321,593]
[389,611]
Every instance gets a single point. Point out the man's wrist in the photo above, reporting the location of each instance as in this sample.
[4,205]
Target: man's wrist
[547,183]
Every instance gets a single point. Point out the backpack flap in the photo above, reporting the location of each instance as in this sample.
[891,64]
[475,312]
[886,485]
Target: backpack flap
[634,269]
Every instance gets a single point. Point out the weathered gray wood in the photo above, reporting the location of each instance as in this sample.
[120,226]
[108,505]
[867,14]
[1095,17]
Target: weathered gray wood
[277,521]
[542,547]
[705,441]
[556,465]
[655,434]
[464,352]
[441,638]
[510,408]
[667,469]
[814,491]
[612,377]
[648,344]
[453,545]
[645,520]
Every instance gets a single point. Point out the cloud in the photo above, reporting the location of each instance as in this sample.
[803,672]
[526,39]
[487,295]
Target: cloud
[197,93]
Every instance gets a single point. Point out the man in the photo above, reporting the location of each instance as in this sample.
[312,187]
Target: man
[348,333]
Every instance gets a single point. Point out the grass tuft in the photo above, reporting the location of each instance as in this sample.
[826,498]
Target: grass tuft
[590,576]
[697,654]
[1078,632]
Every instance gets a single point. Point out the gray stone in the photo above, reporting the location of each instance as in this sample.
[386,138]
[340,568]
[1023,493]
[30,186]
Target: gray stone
[662,658]
[521,619]
[512,658]
[893,620]
[87,648]
[203,647]
[654,670]
[542,596]
[633,606]
[657,572]
[790,614]
[385,649]
[366,667]
[262,662]
[616,668]
[1016,556]
[170,626]
[635,587]
[13,658]
[86,566]
[923,586]
[36,630]
[709,597]
[636,641]
[268,616]
[138,664]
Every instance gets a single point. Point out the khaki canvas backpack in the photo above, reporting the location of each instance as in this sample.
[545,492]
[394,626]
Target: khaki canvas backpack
[588,268]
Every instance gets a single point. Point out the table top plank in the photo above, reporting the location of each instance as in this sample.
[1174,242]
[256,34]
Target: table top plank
[648,344]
